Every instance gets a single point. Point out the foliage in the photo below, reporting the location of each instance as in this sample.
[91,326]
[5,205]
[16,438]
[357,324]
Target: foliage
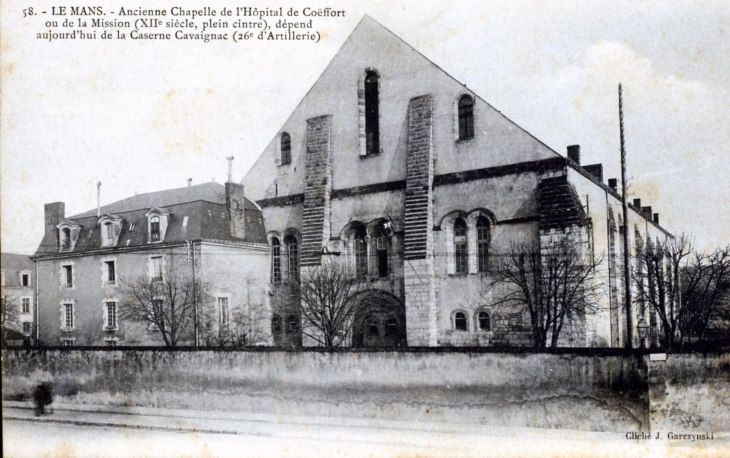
[9,316]
[168,305]
[331,297]
[687,289]
[558,285]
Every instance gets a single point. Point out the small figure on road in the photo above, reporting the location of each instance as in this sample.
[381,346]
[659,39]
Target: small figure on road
[42,396]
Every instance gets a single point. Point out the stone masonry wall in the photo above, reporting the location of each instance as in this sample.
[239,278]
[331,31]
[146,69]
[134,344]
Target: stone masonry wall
[317,189]
[420,284]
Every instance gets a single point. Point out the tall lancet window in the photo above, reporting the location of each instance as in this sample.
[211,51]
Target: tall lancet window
[466,117]
[372,113]
[460,253]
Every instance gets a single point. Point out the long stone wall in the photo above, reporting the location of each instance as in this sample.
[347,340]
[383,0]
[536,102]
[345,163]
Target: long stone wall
[599,392]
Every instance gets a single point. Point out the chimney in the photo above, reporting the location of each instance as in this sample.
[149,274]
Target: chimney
[646,211]
[98,199]
[190,182]
[235,202]
[656,218]
[613,183]
[230,169]
[596,170]
[54,214]
[574,153]
[637,204]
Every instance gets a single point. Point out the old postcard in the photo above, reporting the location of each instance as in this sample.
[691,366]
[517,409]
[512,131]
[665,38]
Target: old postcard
[365,228]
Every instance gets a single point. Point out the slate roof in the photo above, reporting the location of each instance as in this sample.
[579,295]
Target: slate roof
[559,204]
[13,263]
[203,205]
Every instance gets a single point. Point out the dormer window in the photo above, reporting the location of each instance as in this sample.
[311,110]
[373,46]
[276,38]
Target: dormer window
[66,239]
[157,219]
[68,233]
[111,227]
[155,229]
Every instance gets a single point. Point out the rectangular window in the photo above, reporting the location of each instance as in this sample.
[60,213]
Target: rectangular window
[25,279]
[361,260]
[223,310]
[25,302]
[110,343]
[69,315]
[68,343]
[27,327]
[111,275]
[382,254]
[111,315]
[68,272]
[156,269]
[461,260]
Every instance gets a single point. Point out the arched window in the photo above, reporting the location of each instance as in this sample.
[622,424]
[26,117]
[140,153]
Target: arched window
[373,327]
[460,253]
[155,228]
[372,113]
[380,250]
[275,260]
[466,117]
[482,244]
[391,327]
[358,252]
[285,147]
[66,239]
[460,323]
[292,251]
[292,324]
[483,321]
[276,324]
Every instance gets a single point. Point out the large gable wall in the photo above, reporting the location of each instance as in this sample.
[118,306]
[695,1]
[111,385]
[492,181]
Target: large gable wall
[404,74]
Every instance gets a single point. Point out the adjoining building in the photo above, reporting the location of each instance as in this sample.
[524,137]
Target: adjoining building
[417,182]
[209,231]
[18,298]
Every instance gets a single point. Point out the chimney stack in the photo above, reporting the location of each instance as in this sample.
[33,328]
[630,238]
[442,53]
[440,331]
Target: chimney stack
[574,153]
[656,218]
[646,211]
[54,213]
[637,204]
[230,169]
[98,199]
[190,182]
[613,184]
[596,170]
[235,202]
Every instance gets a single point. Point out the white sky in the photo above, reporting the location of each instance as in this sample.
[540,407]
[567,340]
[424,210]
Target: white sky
[145,116]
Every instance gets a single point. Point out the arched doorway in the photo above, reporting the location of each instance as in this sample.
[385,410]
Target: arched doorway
[380,321]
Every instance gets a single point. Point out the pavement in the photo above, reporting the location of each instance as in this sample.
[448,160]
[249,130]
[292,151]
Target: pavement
[403,438]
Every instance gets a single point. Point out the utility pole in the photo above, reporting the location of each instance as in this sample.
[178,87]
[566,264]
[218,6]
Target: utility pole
[624,203]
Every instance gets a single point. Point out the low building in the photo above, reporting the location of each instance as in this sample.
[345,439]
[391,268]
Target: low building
[18,298]
[209,232]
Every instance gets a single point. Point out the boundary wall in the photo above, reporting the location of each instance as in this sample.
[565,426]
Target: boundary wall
[592,389]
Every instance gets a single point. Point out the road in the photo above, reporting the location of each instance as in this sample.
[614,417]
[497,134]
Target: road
[56,437]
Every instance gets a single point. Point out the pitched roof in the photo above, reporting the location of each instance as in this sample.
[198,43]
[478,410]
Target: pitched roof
[195,212]
[209,192]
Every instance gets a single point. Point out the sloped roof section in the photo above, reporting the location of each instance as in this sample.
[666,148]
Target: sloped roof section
[559,204]
[195,212]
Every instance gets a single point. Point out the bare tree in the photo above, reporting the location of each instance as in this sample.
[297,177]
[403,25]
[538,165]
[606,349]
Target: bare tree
[687,289]
[557,284]
[169,305]
[9,316]
[329,300]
